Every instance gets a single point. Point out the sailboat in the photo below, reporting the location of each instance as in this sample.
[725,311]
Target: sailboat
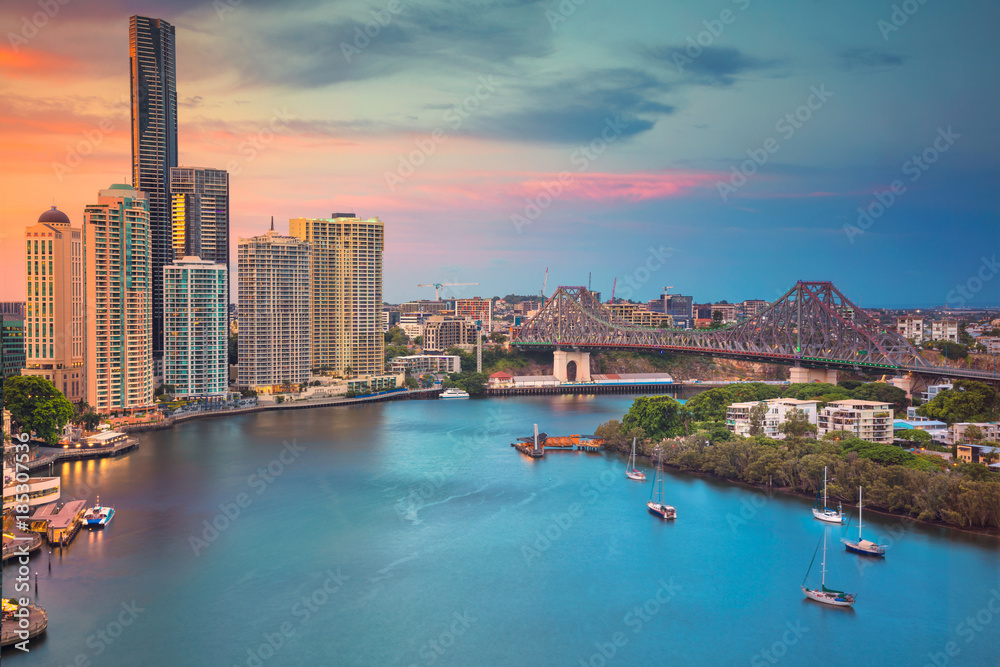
[827,514]
[863,547]
[655,505]
[631,471]
[823,594]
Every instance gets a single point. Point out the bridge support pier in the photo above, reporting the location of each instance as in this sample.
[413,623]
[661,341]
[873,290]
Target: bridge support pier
[805,375]
[561,359]
[906,382]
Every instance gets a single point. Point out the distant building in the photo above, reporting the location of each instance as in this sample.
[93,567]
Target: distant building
[196,345]
[738,415]
[118,300]
[978,454]
[54,330]
[12,308]
[679,306]
[637,315]
[991,344]
[390,318]
[728,311]
[910,327]
[426,306]
[935,389]
[956,432]
[274,336]
[867,420]
[11,345]
[345,292]
[475,309]
[944,330]
[444,331]
[412,324]
[751,307]
[419,364]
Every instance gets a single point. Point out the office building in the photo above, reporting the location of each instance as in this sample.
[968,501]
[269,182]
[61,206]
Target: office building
[154,142]
[679,306]
[273,292]
[442,332]
[11,345]
[345,292]
[867,420]
[54,327]
[196,341]
[118,300]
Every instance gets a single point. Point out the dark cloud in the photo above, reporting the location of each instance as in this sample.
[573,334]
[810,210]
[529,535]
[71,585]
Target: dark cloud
[865,58]
[713,66]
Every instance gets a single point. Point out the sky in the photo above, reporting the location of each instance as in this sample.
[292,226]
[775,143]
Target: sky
[723,148]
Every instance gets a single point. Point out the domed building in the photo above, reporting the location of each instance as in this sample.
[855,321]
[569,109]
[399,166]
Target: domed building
[53,304]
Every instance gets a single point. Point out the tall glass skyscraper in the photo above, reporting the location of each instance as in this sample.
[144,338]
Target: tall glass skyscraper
[154,142]
[200,208]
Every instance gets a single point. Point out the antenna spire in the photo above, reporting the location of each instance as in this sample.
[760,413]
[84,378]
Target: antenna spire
[272,223]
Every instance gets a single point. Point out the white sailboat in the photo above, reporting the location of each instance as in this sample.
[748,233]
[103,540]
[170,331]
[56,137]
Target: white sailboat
[631,472]
[823,594]
[862,546]
[656,506]
[827,514]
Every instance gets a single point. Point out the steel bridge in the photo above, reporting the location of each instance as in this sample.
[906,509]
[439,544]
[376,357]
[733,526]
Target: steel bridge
[812,326]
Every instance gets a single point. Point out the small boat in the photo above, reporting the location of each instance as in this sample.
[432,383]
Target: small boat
[631,472]
[827,514]
[863,547]
[823,594]
[454,392]
[656,506]
[99,516]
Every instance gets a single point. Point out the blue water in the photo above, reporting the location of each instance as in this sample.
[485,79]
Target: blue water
[411,533]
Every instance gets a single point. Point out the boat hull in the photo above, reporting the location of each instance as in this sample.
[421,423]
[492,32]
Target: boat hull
[636,475]
[829,516]
[877,550]
[662,511]
[100,520]
[831,599]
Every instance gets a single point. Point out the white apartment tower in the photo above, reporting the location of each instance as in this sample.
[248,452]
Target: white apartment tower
[195,325]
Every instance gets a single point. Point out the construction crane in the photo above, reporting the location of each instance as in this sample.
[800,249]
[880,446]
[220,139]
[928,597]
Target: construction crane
[613,286]
[545,283]
[437,287]
[666,290]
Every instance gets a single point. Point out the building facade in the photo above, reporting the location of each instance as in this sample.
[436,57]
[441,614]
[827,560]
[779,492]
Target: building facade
[418,364]
[54,333]
[751,307]
[199,203]
[911,327]
[12,308]
[867,420]
[12,357]
[944,330]
[738,415]
[154,141]
[118,300]
[273,292]
[196,341]
[445,331]
[475,309]
[345,292]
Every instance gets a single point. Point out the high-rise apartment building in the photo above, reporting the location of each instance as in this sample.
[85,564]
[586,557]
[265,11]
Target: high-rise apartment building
[11,345]
[199,199]
[195,316]
[476,309]
[274,336]
[154,141]
[118,301]
[54,317]
[345,292]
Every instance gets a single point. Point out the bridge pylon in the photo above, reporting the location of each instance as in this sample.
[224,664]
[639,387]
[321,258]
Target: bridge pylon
[571,366]
[799,375]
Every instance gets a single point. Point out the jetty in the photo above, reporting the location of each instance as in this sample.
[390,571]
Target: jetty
[534,446]
[17,627]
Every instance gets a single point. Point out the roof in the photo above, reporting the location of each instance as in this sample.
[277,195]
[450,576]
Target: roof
[65,517]
[105,436]
[916,424]
[54,215]
[858,401]
[501,374]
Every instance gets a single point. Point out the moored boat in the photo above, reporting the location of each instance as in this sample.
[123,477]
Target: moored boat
[656,506]
[823,594]
[827,514]
[99,515]
[631,471]
[862,546]
[454,392]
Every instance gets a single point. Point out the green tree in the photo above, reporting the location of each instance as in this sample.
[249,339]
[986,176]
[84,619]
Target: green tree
[396,336]
[410,383]
[968,401]
[973,434]
[964,338]
[951,350]
[922,438]
[498,337]
[659,416]
[419,340]
[757,415]
[884,393]
[470,381]
[711,405]
[796,425]
[716,319]
[37,406]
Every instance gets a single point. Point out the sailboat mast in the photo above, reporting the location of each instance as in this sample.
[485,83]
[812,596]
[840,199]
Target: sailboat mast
[859,514]
[824,487]
[823,564]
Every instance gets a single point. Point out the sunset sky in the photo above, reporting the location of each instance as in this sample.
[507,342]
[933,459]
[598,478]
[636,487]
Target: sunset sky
[454,121]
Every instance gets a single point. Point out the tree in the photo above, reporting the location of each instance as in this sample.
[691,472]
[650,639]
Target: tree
[419,340]
[396,336]
[89,420]
[757,415]
[410,383]
[234,356]
[716,319]
[922,438]
[470,381]
[37,406]
[951,350]
[348,371]
[659,416]
[968,401]
[964,337]
[498,337]
[883,393]
[797,425]
[973,434]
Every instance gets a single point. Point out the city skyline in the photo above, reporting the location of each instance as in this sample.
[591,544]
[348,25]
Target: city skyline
[679,107]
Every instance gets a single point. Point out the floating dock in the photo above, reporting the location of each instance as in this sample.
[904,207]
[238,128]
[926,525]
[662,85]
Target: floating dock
[535,445]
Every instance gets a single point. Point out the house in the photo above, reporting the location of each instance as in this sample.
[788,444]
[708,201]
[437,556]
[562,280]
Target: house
[978,454]
[501,379]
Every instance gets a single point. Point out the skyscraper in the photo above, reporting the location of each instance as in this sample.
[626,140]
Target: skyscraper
[117,299]
[200,209]
[195,317]
[11,345]
[54,323]
[273,274]
[345,292]
[154,141]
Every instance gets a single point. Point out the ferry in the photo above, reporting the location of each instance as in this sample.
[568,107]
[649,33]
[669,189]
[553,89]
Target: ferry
[99,516]
[454,392]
